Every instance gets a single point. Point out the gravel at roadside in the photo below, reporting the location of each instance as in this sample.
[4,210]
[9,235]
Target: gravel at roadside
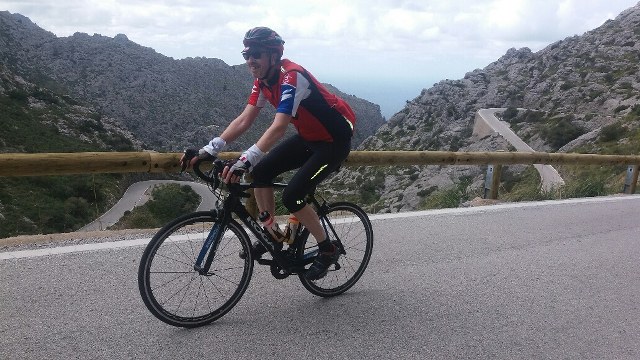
[30,242]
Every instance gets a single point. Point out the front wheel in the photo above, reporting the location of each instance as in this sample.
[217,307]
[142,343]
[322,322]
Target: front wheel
[174,291]
[348,227]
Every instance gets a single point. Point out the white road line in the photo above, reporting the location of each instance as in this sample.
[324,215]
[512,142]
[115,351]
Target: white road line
[73,249]
[479,209]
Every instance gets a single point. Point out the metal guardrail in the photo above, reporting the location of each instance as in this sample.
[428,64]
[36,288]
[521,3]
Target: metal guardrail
[41,164]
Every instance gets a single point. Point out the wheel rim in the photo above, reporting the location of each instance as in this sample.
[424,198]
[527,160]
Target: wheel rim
[356,237]
[179,295]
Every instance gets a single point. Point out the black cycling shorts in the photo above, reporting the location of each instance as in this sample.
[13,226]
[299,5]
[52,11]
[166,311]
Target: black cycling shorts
[315,160]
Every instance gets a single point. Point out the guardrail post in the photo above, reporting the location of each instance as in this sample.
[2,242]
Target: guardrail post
[492,181]
[631,179]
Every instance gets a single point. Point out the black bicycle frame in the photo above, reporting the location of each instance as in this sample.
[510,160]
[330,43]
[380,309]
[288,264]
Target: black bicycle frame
[232,205]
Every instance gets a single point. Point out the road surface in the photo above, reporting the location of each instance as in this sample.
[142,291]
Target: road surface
[544,280]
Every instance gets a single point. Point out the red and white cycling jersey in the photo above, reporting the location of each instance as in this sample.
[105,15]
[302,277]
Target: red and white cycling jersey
[317,114]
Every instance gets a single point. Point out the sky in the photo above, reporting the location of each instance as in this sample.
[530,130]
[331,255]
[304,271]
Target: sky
[384,51]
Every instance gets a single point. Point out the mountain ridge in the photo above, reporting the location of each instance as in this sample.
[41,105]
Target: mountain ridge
[576,89]
[168,104]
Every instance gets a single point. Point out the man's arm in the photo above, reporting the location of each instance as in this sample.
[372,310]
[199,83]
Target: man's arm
[253,155]
[274,133]
[240,124]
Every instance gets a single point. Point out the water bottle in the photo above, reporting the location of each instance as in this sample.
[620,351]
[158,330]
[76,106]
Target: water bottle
[291,230]
[272,227]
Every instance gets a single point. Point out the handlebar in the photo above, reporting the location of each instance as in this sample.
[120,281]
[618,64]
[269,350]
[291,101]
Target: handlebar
[212,176]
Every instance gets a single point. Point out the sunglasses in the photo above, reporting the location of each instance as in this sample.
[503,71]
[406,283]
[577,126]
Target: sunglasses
[256,54]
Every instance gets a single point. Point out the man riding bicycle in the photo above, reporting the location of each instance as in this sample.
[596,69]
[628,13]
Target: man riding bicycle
[324,123]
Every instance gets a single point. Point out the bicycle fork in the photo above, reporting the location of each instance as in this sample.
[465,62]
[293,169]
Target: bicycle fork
[208,251]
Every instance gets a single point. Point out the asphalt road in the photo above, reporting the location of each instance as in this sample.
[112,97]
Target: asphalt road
[551,280]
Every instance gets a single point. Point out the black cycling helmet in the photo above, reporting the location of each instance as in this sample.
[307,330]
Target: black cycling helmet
[263,37]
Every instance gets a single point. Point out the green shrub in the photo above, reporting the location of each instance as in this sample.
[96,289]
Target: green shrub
[446,198]
[524,187]
[613,132]
[167,202]
[534,116]
[19,96]
[510,114]
[620,108]
[586,186]
[441,199]
[559,131]
[427,192]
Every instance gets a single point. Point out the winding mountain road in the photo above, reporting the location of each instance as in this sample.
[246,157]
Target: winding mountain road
[486,122]
[137,194]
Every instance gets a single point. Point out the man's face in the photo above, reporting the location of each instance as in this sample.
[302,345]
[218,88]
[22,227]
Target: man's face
[258,61]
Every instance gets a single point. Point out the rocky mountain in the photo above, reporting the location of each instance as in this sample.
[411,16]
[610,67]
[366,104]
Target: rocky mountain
[582,89]
[168,104]
[35,119]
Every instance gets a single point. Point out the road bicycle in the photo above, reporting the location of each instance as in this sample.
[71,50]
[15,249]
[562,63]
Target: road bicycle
[191,273]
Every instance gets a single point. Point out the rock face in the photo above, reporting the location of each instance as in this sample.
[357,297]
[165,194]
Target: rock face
[579,86]
[168,104]
[34,119]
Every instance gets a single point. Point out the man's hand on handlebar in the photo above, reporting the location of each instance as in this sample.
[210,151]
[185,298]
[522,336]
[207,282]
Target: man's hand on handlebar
[191,156]
[233,171]
[245,163]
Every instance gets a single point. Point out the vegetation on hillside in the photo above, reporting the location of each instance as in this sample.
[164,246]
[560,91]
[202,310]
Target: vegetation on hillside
[54,204]
[34,119]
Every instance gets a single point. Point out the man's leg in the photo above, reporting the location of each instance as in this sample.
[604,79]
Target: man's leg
[326,158]
[288,155]
[310,220]
[265,199]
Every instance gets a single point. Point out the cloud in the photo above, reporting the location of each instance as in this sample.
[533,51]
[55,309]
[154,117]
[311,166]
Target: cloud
[375,25]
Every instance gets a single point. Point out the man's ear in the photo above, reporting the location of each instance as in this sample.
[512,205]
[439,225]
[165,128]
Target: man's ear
[274,59]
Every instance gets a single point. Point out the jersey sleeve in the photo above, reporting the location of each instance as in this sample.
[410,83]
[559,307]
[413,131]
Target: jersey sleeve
[294,88]
[257,98]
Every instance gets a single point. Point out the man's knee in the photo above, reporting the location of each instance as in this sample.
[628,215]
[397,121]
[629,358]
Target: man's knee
[292,200]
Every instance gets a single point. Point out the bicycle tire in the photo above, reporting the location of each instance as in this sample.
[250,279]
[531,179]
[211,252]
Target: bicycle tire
[355,233]
[176,293]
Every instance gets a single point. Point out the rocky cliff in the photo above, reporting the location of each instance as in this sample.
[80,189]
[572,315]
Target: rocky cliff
[35,119]
[578,87]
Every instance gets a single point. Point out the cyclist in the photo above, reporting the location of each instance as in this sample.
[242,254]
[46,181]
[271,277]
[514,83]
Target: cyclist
[324,125]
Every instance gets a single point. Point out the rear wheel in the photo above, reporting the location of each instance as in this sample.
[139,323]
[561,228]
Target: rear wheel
[179,295]
[349,228]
